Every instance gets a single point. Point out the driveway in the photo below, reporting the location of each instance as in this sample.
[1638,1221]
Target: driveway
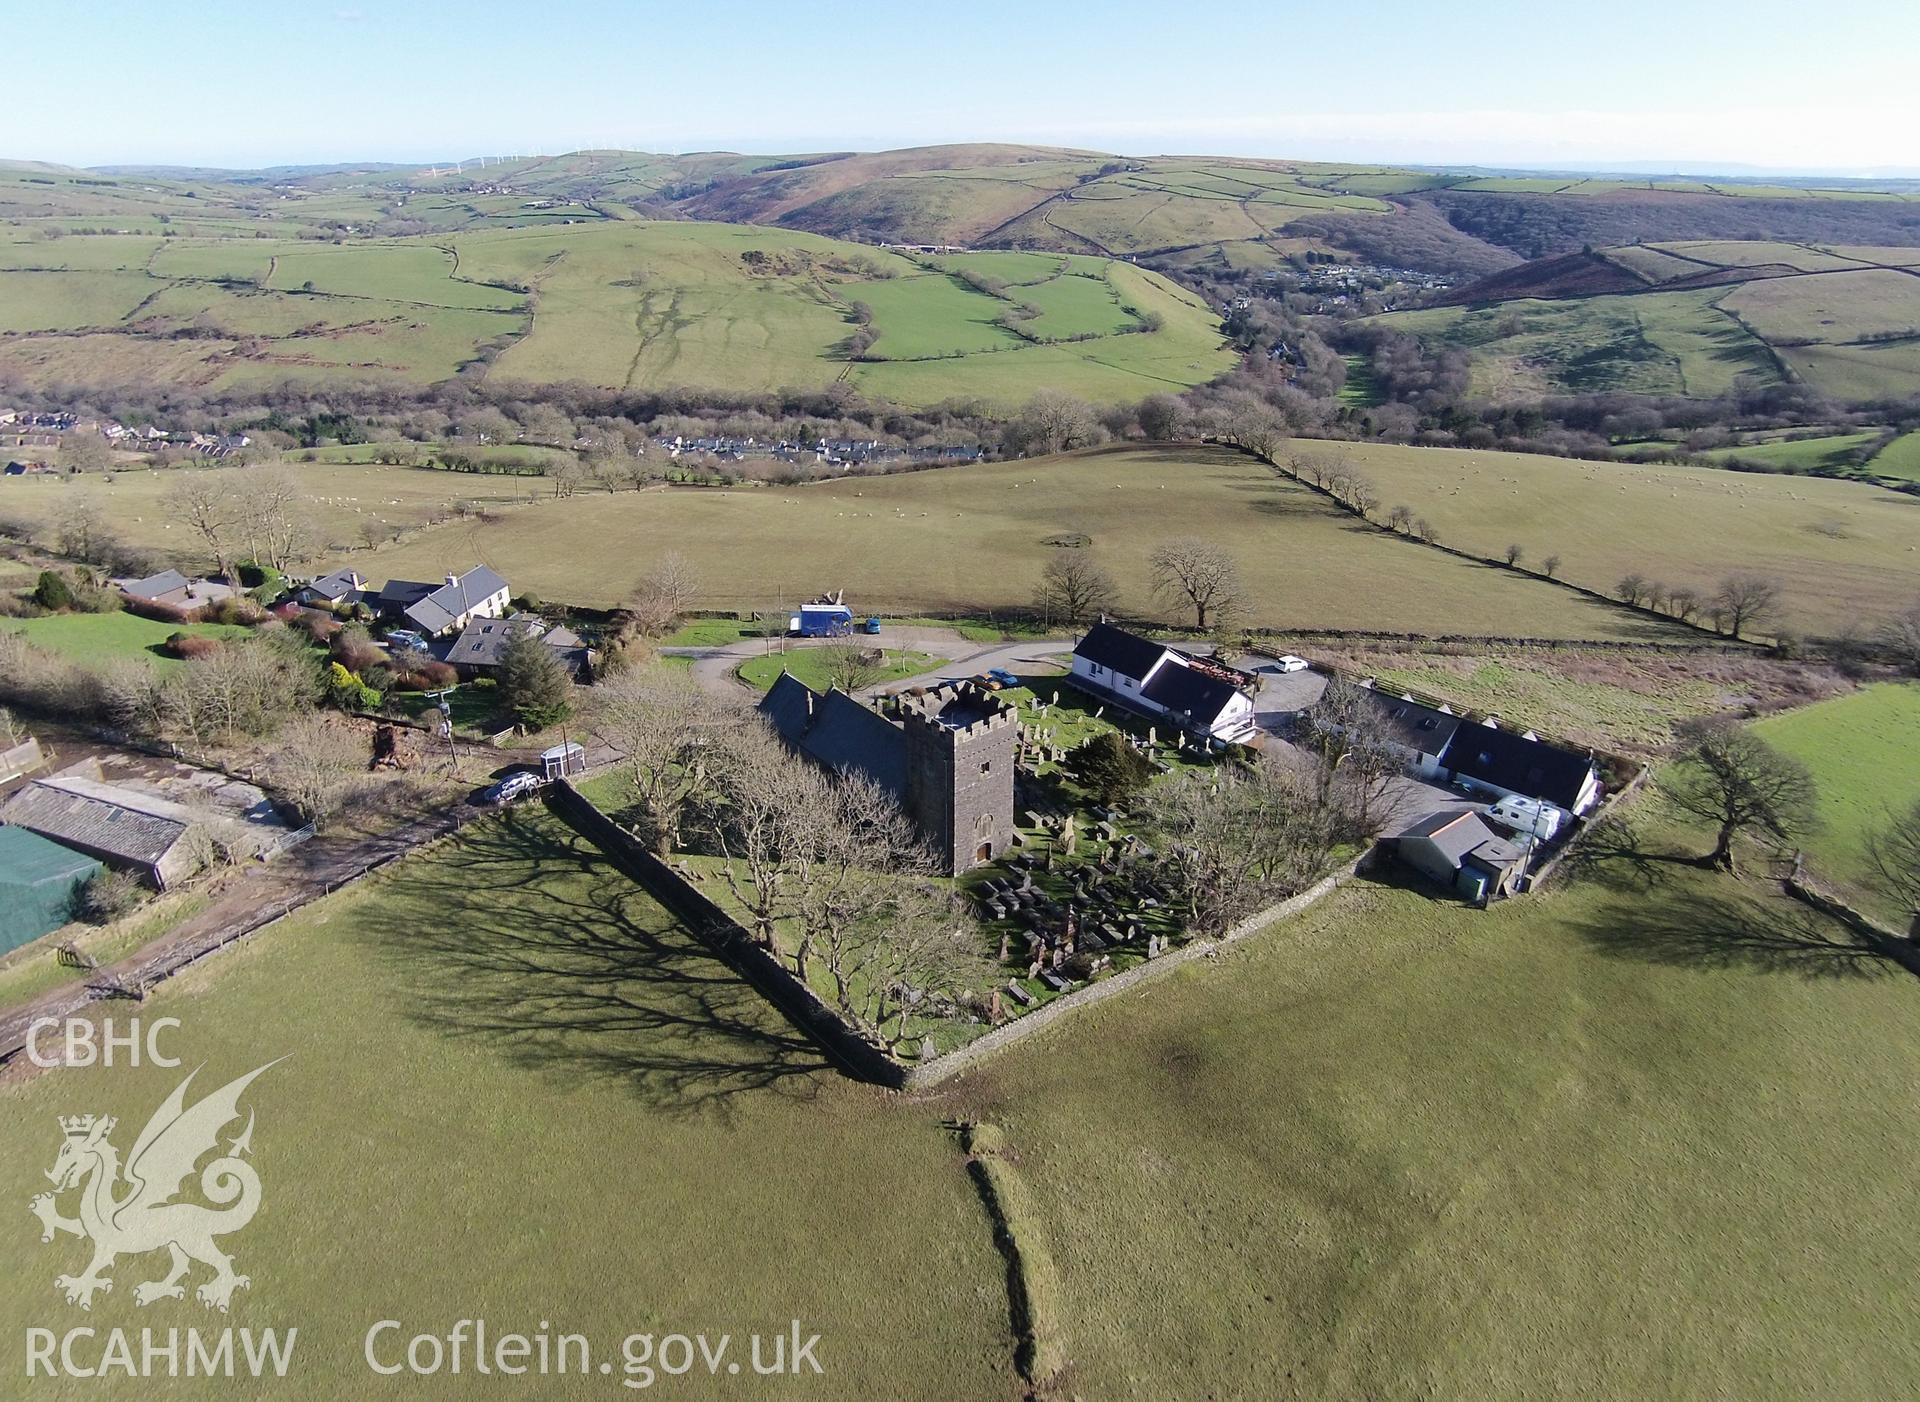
[714,667]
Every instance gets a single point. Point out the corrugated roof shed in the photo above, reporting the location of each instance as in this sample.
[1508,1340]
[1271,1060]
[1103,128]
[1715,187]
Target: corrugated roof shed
[114,824]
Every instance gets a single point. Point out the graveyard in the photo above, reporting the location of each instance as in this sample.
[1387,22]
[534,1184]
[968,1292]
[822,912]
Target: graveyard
[1074,900]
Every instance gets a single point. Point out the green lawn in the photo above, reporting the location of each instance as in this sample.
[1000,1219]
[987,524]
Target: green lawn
[1864,751]
[514,1089]
[715,632]
[1641,1136]
[1637,1138]
[810,665]
[104,637]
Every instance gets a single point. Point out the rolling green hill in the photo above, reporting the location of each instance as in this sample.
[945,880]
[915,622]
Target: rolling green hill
[620,304]
[1696,318]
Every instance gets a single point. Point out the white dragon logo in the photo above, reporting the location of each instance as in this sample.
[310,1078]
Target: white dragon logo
[144,1218]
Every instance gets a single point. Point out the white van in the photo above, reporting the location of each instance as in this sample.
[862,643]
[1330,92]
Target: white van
[1530,817]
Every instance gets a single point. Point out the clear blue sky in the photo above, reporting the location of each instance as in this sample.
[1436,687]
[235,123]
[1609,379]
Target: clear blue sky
[252,82]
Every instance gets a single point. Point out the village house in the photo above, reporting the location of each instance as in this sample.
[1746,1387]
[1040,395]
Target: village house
[1482,758]
[433,610]
[1201,695]
[174,589]
[482,645]
[336,587]
[946,755]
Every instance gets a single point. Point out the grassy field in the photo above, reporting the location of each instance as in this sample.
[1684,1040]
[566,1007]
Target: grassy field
[974,539]
[610,302]
[1409,1148]
[735,307]
[1413,1150]
[1844,552]
[1842,320]
[344,500]
[105,637]
[809,665]
[1864,751]
[1830,452]
[1669,343]
[228,312]
[642,1145]
[1899,460]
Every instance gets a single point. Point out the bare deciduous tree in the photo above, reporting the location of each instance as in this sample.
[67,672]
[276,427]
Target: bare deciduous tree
[1550,566]
[1347,728]
[317,765]
[205,507]
[851,666]
[1731,778]
[1901,636]
[1514,554]
[1053,422]
[1236,838]
[1074,588]
[1201,573]
[668,590]
[1745,601]
[668,729]
[1400,518]
[1632,589]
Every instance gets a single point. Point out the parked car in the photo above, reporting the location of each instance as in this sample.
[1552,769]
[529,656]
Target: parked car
[514,786]
[1290,663]
[1000,676]
[872,625]
[406,640]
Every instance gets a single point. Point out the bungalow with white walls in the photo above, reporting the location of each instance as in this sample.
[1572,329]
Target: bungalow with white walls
[1199,694]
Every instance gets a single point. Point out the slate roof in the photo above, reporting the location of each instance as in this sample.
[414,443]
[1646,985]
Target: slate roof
[484,641]
[1416,726]
[99,818]
[335,586]
[839,733]
[445,605]
[1507,760]
[155,586]
[1460,834]
[1188,692]
[1119,651]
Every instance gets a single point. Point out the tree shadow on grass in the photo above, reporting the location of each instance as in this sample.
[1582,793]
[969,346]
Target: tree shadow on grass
[525,936]
[1708,929]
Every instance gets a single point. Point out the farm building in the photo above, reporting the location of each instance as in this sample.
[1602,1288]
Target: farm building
[1503,763]
[38,882]
[1483,758]
[1460,852]
[483,643]
[1199,694]
[946,756]
[124,828]
[436,609]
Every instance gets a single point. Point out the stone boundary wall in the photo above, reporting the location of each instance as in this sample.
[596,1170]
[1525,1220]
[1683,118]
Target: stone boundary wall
[965,1058]
[805,1009]
[1902,949]
[720,931]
